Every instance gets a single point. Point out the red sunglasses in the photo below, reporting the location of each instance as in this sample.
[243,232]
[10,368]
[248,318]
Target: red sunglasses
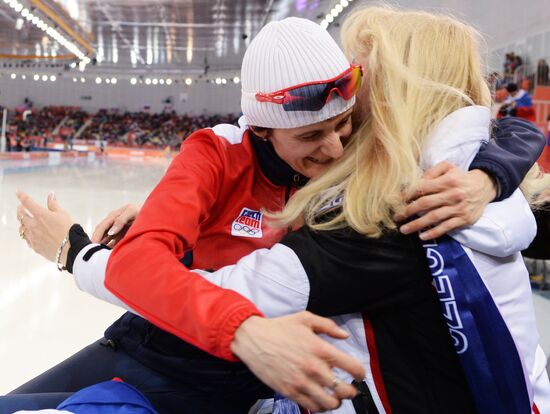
[312,96]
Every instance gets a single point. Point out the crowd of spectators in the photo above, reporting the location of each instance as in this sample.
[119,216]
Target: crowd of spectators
[31,127]
[144,129]
[35,128]
[542,73]
[514,70]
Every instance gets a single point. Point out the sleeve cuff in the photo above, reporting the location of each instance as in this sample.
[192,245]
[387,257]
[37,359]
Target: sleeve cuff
[230,326]
[78,239]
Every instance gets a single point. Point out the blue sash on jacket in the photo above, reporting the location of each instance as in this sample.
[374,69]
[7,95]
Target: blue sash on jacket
[482,340]
[109,397]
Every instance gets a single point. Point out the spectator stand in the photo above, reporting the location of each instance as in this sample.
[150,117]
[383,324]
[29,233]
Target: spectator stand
[139,135]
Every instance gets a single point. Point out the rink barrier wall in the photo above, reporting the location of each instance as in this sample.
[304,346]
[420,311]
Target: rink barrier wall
[58,151]
[37,155]
[91,151]
[124,152]
[117,152]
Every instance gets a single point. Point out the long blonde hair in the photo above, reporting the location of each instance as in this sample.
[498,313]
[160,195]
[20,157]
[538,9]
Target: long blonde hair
[420,67]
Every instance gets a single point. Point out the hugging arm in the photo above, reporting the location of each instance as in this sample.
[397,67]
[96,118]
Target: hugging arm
[329,273]
[453,198]
[515,146]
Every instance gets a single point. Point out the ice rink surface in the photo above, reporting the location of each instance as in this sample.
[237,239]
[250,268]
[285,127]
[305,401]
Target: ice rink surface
[44,318]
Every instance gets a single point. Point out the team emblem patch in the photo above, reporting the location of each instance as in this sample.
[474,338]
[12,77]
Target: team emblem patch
[247,224]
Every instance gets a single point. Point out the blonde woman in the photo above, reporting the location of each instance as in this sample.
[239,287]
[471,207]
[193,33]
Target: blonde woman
[425,99]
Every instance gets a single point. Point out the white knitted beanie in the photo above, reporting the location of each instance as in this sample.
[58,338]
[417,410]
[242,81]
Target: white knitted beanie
[284,54]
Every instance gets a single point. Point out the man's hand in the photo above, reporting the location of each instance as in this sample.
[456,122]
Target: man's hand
[287,354]
[450,198]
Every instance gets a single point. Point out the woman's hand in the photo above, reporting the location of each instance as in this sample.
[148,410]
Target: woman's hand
[450,198]
[113,227]
[287,354]
[43,228]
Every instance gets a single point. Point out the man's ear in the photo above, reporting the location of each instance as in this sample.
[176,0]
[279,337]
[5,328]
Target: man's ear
[260,132]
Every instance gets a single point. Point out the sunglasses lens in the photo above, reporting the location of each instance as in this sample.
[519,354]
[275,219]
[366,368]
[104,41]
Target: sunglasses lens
[314,96]
[349,84]
[306,98]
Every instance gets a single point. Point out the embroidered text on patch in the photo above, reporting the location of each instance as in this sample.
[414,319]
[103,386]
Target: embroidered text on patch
[247,224]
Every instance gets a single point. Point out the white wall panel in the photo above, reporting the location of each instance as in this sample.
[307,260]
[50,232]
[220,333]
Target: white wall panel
[199,98]
[505,24]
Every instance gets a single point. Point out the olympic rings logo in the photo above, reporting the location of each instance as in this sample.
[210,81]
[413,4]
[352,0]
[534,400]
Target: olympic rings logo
[246,229]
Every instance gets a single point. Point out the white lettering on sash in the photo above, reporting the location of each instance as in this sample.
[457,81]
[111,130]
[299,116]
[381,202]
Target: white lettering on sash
[446,295]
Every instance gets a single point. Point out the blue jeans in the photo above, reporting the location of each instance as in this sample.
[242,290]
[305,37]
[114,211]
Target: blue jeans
[212,386]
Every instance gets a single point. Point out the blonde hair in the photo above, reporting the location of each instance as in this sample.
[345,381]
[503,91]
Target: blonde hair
[420,67]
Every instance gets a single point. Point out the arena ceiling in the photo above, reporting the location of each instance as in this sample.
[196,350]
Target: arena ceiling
[137,36]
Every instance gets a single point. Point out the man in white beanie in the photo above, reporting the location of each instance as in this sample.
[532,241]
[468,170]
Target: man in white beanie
[284,54]
[206,213]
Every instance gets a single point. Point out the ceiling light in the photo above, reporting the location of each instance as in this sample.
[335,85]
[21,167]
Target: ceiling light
[25,12]
[133,81]
[75,80]
[218,81]
[344,3]
[114,80]
[36,77]
[155,81]
[82,80]
[107,80]
[19,24]
[339,8]
[23,76]
[334,13]
[13,76]
[73,65]
[161,81]
[44,78]
[147,81]
[188,81]
[168,81]
[29,16]
[53,78]
[98,80]
[224,81]
[35,20]
[329,18]
[324,24]
[236,79]
[13,3]
[18,7]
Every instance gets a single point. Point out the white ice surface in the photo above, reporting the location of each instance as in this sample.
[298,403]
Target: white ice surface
[44,318]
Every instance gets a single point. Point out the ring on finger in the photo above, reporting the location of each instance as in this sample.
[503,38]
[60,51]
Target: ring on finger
[335,382]
[22,233]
